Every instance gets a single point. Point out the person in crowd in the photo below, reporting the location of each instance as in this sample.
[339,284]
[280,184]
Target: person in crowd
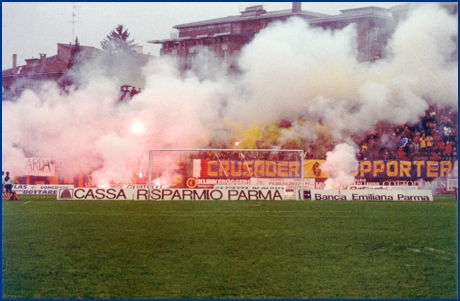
[406,133]
[400,154]
[364,147]
[429,144]
[436,140]
[416,141]
[441,126]
[392,156]
[133,92]
[8,183]
[423,143]
[3,178]
[430,127]
[435,156]
[441,146]
[448,150]
[123,92]
[447,131]
[409,149]
[363,152]
[419,126]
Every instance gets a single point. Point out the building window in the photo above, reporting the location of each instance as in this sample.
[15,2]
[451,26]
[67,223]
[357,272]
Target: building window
[376,33]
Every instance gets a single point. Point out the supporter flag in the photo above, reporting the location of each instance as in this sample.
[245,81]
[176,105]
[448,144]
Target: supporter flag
[9,196]
[403,142]
[312,169]
[200,168]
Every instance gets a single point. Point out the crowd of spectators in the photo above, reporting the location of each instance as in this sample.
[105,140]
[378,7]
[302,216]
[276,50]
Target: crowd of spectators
[242,155]
[126,94]
[433,137]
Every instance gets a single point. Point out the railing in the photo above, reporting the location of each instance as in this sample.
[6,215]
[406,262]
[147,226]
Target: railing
[174,34]
[204,31]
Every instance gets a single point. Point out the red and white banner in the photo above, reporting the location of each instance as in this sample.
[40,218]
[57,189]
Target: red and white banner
[42,167]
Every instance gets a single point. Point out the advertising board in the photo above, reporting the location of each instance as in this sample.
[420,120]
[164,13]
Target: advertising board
[224,192]
[368,195]
[39,189]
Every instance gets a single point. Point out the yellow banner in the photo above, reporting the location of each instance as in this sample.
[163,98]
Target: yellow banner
[390,169]
[312,169]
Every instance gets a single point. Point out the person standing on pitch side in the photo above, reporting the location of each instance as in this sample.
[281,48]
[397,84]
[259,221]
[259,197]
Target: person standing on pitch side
[8,183]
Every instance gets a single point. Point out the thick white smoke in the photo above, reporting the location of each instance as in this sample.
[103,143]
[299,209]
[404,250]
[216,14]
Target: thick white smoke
[288,74]
[340,163]
[290,71]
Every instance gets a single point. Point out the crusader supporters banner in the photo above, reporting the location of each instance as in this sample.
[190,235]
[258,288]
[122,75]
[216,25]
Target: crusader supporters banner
[312,169]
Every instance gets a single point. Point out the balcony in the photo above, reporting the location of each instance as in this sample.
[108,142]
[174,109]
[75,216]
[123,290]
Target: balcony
[207,31]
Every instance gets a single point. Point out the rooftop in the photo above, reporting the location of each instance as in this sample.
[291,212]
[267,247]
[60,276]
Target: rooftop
[262,15]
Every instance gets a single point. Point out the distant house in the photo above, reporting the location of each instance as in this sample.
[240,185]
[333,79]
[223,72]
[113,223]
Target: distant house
[400,13]
[41,69]
[226,36]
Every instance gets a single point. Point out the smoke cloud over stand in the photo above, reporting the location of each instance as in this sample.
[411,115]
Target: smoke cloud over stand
[319,86]
[340,163]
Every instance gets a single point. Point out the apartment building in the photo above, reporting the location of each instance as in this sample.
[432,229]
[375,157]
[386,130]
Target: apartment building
[226,36]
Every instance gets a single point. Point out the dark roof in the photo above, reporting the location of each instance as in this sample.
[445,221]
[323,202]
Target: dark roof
[399,7]
[265,15]
[243,17]
[51,64]
[85,51]
[407,6]
[312,17]
[354,13]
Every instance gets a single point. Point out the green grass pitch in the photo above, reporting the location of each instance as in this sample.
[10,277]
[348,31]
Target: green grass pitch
[229,249]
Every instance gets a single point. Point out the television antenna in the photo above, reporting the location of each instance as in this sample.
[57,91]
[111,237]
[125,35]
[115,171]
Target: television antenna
[73,20]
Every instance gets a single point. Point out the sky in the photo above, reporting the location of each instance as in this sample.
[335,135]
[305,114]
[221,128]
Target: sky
[31,28]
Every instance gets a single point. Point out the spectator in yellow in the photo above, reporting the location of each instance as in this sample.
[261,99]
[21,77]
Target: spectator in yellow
[422,142]
[429,144]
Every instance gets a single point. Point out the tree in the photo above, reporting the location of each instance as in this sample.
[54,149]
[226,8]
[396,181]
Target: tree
[74,51]
[119,60]
[117,41]
[67,78]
